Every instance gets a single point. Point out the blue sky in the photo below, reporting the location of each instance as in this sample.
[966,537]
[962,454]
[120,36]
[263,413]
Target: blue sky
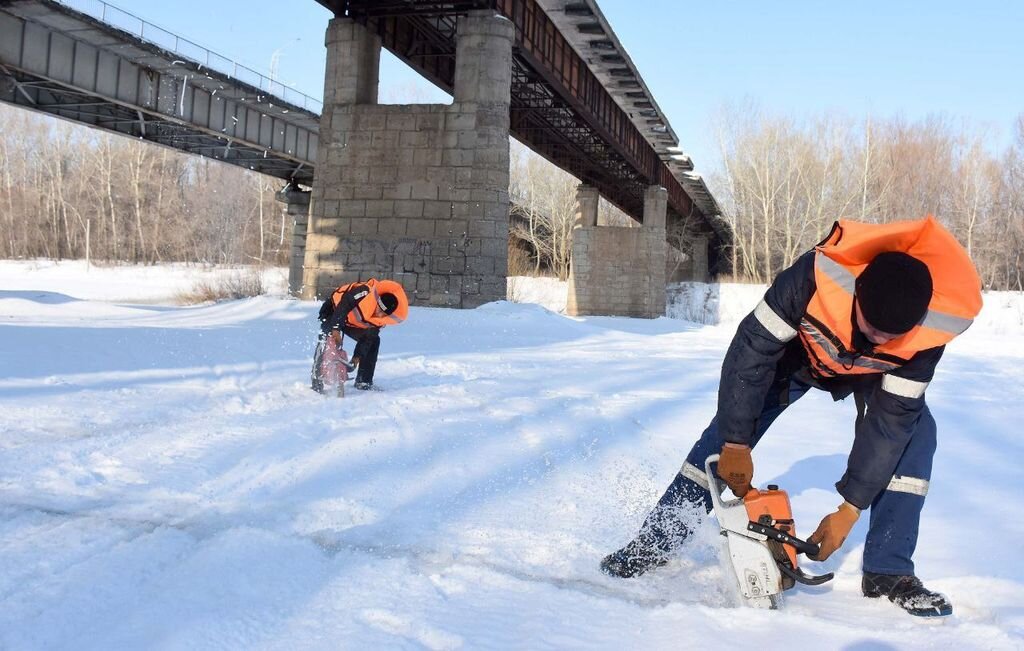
[962,60]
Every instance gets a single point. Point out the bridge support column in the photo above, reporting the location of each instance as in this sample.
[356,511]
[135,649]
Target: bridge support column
[656,249]
[587,200]
[418,193]
[619,271]
[297,208]
[353,64]
[700,270]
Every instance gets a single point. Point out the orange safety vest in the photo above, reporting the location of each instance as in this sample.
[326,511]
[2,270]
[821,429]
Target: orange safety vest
[826,329]
[364,314]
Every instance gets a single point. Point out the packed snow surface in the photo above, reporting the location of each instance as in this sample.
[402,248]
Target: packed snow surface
[168,480]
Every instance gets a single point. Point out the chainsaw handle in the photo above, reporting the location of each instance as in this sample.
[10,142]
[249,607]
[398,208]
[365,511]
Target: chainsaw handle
[716,486]
[801,546]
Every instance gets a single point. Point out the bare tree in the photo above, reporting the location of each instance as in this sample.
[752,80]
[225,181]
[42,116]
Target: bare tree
[781,184]
[543,210]
[8,190]
[61,184]
[679,235]
[1007,244]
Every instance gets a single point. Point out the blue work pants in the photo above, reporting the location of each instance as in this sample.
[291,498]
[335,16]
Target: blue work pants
[895,514]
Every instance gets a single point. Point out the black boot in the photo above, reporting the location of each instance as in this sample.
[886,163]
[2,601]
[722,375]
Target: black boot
[663,531]
[634,559]
[908,593]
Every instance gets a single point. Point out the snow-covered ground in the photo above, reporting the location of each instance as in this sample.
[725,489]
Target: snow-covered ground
[126,284]
[167,479]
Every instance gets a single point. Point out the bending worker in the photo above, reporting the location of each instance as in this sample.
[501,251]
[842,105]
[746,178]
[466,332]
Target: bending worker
[867,312]
[359,310]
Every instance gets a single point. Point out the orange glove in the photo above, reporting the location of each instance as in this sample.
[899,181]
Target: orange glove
[736,468]
[833,530]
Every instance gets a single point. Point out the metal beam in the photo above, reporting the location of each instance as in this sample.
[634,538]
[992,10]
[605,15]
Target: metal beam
[71,65]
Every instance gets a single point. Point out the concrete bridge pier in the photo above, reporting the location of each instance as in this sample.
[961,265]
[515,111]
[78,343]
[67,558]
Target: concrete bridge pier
[418,193]
[701,270]
[296,207]
[692,265]
[587,201]
[618,270]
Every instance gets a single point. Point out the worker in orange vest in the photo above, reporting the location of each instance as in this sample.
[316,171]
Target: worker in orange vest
[359,310]
[867,312]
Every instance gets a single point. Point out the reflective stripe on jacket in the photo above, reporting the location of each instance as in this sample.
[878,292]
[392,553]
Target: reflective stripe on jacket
[767,352]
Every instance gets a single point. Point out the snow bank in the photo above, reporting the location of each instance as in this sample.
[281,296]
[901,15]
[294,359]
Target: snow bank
[160,283]
[712,303]
[549,292]
[727,303]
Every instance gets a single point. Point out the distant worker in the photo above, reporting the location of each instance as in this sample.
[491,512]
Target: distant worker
[867,312]
[359,310]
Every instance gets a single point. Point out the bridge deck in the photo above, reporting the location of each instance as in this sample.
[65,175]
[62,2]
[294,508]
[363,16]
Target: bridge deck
[75,66]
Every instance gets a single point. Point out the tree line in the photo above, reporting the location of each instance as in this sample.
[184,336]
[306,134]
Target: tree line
[782,183]
[68,191]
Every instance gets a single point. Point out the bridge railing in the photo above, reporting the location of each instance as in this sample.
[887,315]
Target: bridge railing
[194,52]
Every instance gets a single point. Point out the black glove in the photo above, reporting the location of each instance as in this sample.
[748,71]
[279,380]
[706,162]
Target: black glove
[326,310]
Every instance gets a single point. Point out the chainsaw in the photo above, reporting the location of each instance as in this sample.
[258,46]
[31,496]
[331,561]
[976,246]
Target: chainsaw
[762,542]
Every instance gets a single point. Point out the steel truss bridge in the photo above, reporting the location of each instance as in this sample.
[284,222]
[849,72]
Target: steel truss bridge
[577,98]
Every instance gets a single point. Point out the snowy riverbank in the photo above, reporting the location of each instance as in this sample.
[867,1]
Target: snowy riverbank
[167,479]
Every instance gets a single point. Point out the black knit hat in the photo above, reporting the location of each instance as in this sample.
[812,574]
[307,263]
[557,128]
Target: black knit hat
[387,303]
[893,292]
